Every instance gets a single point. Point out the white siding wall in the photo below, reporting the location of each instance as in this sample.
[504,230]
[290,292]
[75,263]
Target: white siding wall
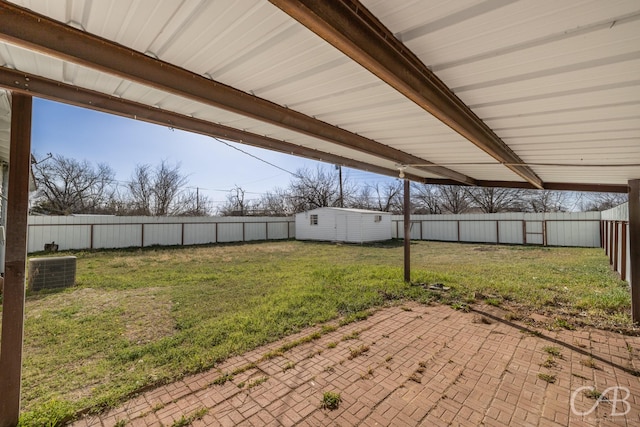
[343,225]
[324,230]
[84,232]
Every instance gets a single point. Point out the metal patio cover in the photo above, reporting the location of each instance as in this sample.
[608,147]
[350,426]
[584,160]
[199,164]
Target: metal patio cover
[529,93]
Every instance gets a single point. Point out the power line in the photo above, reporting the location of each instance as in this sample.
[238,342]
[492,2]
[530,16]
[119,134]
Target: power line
[251,155]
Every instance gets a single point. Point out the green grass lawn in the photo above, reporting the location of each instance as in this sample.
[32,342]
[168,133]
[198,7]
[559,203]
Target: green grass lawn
[142,317]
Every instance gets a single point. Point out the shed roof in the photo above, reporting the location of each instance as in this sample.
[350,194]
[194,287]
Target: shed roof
[512,93]
[351,210]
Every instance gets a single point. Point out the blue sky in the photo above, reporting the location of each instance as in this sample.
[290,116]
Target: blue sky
[124,143]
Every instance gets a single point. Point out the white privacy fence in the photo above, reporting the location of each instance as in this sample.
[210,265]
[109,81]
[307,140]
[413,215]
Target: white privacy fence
[548,229]
[615,238]
[97,232]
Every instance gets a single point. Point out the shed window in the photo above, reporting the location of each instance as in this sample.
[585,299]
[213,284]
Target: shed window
[377,218]
[313,219]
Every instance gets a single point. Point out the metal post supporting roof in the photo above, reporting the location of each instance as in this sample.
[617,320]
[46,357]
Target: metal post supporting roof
[634,247]
[15,260]
[407,232]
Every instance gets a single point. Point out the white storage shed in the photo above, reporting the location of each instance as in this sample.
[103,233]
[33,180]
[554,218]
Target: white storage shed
[343,225]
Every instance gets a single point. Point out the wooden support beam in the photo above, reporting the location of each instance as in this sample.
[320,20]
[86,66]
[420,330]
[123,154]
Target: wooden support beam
[634,247]
[30,84]
[15,260]
[559,186]
[407,231]
[32,31]
[356,32]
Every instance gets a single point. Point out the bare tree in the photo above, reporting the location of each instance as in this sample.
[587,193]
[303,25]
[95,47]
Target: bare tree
[192,203]
[275,203]
[160,191]
[363,199]
[387,197]
[545,200]
[426,198]
[67,186]
[141,189]
[455,199]
[602,201]
[318,188]
[235,204]
[493,200]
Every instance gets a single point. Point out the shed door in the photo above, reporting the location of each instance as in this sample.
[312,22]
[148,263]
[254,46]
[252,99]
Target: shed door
[341,228]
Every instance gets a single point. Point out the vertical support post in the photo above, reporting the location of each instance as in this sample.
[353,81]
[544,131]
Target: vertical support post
[623,257]
[610,242]
[615,245]
[634,247]
[497,232]
[524,232]
[182,234]
[91,236]
[602,234]
[15,260]
[407,232]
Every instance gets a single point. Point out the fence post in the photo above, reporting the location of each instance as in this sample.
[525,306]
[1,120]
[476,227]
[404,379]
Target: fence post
[610,242]
[615,245]
[623,256]
[634,249]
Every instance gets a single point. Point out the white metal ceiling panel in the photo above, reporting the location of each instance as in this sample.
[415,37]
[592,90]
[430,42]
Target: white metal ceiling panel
[552,79]
[559,82]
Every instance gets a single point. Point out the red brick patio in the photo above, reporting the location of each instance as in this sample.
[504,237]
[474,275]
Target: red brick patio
[425,366]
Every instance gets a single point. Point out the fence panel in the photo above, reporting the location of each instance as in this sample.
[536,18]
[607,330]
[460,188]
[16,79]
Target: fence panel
[614,234]
[446,231]
[510,232]
[255,231]
[199,234]
[98,232]
[116,236]
[277,230]
[478,231]
[162,234]
[65,236]
[230,232]
[555,229]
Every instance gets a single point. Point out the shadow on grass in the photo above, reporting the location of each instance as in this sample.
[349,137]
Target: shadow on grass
[533,332]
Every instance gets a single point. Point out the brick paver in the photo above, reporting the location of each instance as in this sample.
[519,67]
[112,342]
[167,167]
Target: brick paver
[419,366]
